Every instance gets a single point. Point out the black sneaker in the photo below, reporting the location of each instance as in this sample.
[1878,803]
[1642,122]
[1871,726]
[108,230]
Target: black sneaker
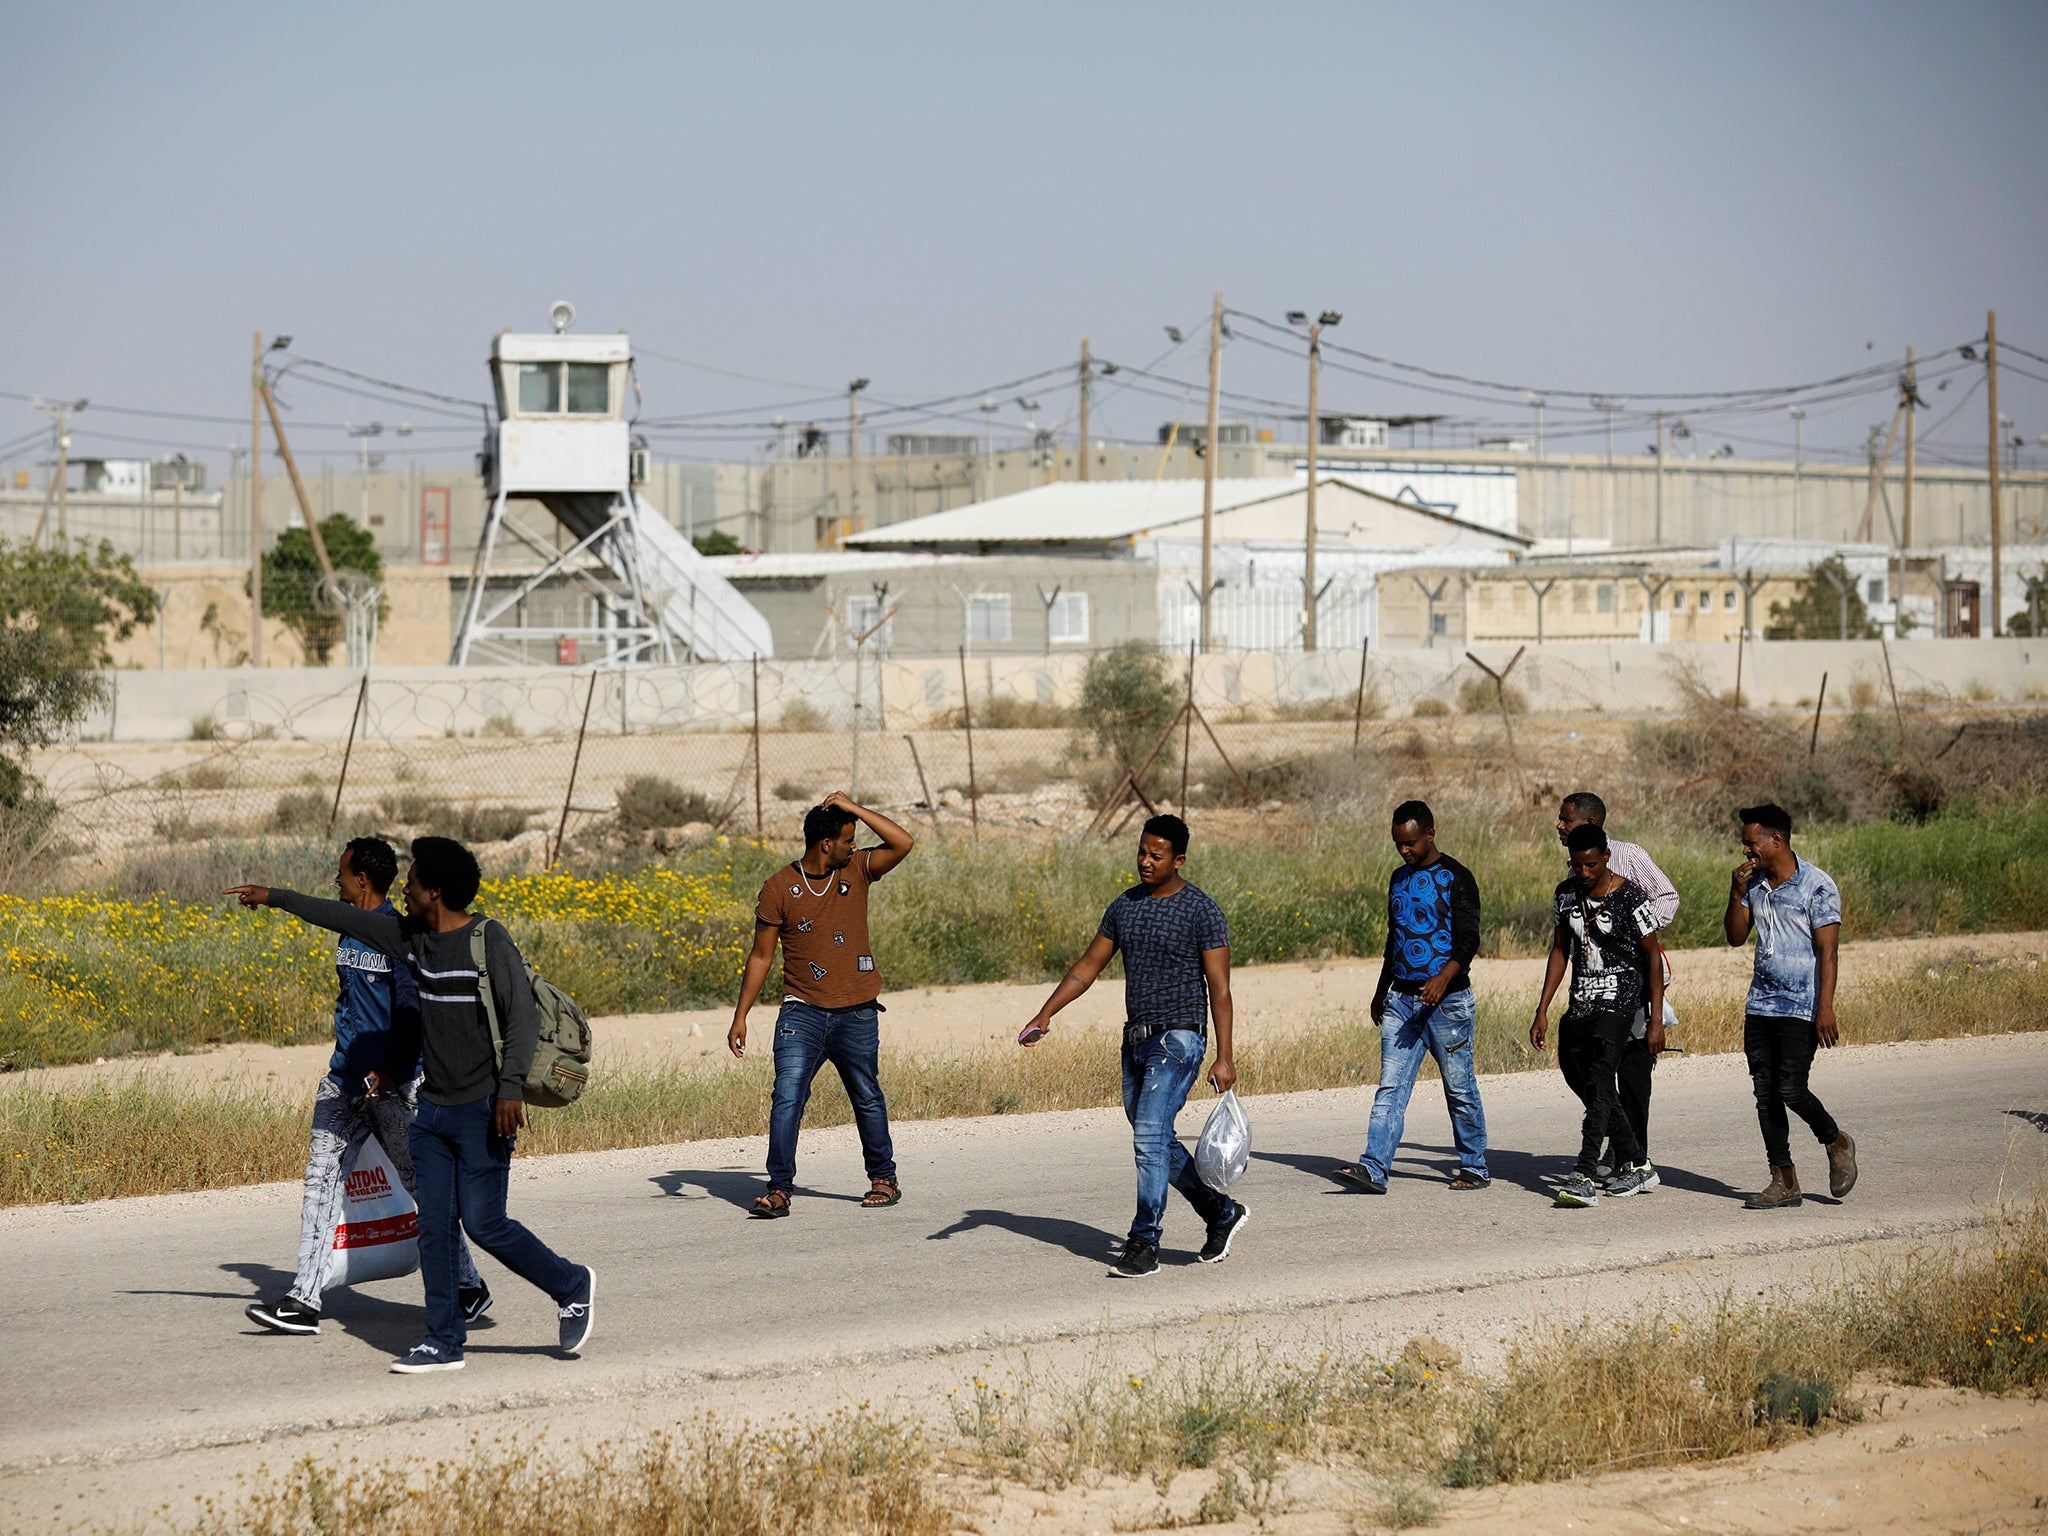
[575,1314]
[1137,1261]
[1635,1179]
[1359,1177]
[475,1301]
[427,1357]
[1217,1248]
[1579,1192]
[286,1316]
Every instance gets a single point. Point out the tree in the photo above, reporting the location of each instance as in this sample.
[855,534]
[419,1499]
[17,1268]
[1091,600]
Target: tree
[1127,696]
[2035,619]
[58,609]
[716,542]
[1825,596]
[291,580]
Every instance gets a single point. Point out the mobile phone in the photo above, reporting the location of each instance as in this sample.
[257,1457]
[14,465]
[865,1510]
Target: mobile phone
[1032,1034]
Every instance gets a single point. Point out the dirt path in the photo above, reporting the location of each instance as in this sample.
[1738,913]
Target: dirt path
[956,1020]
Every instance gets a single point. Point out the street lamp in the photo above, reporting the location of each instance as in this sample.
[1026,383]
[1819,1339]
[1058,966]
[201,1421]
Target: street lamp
[853,389]
[989,406]
[1530,397]
[1798,415]
[362,435]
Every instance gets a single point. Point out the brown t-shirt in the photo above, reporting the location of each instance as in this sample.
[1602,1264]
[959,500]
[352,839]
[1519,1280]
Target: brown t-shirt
[826,961]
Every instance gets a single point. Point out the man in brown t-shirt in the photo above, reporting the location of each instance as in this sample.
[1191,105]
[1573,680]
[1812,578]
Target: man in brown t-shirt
[817,908]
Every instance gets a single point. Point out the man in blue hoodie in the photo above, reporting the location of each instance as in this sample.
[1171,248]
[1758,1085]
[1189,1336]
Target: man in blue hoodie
[375,993]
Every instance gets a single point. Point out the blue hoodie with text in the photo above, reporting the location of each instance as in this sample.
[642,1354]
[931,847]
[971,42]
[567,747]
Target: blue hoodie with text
[373,990]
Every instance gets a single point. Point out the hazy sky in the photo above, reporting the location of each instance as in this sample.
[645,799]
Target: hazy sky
[1597,197]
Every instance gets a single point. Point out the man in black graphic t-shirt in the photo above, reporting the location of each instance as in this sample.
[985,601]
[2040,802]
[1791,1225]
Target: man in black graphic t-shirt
[1604,925]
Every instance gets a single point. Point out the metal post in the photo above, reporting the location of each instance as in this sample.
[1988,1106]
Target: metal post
[924,787]
[256,503]
[1209,459]
[967,718]
[1187,732]
[334,811]
[1308,547]
[757,746]
[859,648]
[1991,374]
[1358,706]
[575,763]
[1813,744]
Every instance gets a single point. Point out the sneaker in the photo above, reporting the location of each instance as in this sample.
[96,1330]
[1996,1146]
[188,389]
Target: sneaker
[1578,1192]
[575,1314]
[1358,1176]
[1217,1248]
[1138,1260]
[286,1316]
[1635,1179]
[427,1357]
[1602,1172]
[475,1301]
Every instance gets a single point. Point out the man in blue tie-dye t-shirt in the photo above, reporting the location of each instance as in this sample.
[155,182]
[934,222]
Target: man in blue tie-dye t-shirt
[1423,1003]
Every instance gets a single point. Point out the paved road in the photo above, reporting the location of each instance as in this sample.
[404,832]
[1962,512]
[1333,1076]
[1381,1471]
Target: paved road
[122,1332]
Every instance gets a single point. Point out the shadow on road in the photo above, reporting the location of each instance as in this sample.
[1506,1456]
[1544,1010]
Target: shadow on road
[2038,1119]
[734,1187]
[1320,1164]
[1077,1238]
[390,1325]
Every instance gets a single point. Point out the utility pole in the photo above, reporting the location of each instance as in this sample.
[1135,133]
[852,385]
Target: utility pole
[256,503]
[1658,540]
[1798,415]
[1084,407]
[60,428]
[1309,593]
[1912,402]
[853,389]
[1209,461]
[1997,540]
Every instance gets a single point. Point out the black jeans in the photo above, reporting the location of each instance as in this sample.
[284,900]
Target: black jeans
[1780,1053]
[1633,1079]
[1589,1050]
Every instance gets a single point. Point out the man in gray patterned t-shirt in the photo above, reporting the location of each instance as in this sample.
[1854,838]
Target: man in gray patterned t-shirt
[1176,948]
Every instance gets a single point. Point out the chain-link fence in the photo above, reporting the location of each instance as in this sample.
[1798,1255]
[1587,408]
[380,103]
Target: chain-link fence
[547,759]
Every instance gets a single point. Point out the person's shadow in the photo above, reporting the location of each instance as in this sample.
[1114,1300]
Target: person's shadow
[386,1323]
[1321,1164]
[1076,1237]
[735,1187]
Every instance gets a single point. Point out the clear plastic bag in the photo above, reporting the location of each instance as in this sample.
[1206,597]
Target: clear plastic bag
[1225,1147]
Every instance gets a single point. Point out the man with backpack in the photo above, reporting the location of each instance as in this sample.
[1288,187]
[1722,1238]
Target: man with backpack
[479,1027]
[374,991]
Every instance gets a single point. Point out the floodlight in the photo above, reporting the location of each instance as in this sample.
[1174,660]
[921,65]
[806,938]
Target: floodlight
[561,315]
[1330,317]
[280,343]
[1297,317]
[1173,335]
[855,386]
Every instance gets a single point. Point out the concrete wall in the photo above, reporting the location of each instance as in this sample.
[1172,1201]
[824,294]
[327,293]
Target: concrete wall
[203,621]
[316,704]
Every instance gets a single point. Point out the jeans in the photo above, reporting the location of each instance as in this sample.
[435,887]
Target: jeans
[1158,1072]
[342,1124]
[1408,1029]
[462,1168]
[805,1039]
[1634,1079]
[1780,1053]
[1589,1052]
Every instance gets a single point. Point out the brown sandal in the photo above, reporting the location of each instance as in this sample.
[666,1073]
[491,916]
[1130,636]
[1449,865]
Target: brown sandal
[884,1192]
[774,1203]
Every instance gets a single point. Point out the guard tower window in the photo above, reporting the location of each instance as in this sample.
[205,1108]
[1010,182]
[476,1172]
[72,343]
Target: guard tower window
[540,389]
[590,389]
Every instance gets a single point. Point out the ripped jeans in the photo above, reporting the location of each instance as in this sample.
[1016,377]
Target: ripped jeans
[1158,1072]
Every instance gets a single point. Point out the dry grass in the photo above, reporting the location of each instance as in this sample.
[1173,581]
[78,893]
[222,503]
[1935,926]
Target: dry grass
[146,1136]
[852,1473]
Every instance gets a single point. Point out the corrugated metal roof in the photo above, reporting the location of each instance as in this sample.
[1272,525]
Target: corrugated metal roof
[811,564]
[1073,511]
[1112,511]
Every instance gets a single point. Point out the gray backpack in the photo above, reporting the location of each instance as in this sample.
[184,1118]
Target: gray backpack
[561,1057]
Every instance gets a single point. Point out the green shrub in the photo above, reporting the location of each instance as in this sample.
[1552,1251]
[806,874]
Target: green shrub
[646,801]
[302,811]
[1127,697]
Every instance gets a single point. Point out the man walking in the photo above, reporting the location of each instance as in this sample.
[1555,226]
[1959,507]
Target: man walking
[817,909]
[1605,925]
[1423,1003]
[472,1095]
[374,991]
[1638,1061]
[1176,948]
[1796,913]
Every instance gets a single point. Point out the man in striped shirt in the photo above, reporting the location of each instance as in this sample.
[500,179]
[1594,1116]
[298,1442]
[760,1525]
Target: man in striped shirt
[1628,860]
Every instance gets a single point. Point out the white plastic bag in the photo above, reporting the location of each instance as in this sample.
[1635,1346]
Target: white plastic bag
[1226,1144]
[378,1237]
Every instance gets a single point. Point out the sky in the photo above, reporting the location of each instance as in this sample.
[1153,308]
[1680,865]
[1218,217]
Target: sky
[773,200]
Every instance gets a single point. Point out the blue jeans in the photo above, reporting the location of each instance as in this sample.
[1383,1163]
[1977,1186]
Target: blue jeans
[805,1039]
[1157,1076]
[1408,1029]
[461,1168]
